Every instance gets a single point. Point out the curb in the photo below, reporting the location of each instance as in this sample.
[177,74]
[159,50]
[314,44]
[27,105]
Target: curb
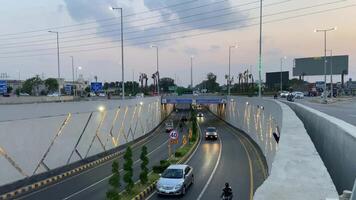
[54,179]
[146,192]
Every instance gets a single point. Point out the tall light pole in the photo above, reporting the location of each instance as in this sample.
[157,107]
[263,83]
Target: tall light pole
[155,46]
[59,74]
[73,73]
[260,55]
[331,74]
[122,52]
[284,58]
[191,71]
[325,60]
[229,77]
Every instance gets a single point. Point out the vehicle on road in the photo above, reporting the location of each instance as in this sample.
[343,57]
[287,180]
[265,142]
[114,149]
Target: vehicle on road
[200,115]
[298,95]
[227,192]
[290,97]
[53,95]
[140,95]
[101,94]
[169,126]
[23,94]
[211,133]
[6,95]
[175,180]
[284,94]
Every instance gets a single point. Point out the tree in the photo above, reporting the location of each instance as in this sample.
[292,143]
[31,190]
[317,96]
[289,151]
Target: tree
[211,83]
[32,84]
[9,89]
[144,169]
[106,86]
[51,84]
[128,170]
[114,181]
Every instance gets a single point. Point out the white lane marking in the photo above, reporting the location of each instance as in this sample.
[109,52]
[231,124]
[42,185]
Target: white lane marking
[91,169]
[94,184]
[212,174]
[190,157]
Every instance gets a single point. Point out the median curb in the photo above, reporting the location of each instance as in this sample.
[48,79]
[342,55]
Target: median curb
[149,190]
[57,178]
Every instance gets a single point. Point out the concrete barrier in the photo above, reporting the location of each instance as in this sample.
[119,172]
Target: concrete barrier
[335,141]
[35,138]
[295,168]
[32,99]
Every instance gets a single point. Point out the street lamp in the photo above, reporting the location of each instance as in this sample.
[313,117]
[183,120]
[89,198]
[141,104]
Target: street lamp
[325,32]
[122,51]
[331,73]
[260,55]
[59,74]
[229,78]
[155,46]
[73,73]
[191,71]
[284,58]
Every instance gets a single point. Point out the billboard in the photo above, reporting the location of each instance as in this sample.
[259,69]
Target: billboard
[96,86]
[314,66]
[3,87]
[273,79]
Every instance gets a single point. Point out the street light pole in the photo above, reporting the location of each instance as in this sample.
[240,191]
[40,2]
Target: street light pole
[229,77]
[122,52]
[331,74]
[325,60]
[155,46]
[58,64]
[191,71]
[282,72]
[73,73]
[260,55]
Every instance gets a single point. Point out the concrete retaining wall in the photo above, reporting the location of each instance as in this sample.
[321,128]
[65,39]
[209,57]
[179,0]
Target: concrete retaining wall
[296,170]
[32,99]
[335,141]
[52,131]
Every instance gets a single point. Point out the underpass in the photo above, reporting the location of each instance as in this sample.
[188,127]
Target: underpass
[232,158]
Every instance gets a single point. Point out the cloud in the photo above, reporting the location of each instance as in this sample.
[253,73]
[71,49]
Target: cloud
[157,26]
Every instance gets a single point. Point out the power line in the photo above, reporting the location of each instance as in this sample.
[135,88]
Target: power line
[100,20]
[194,35]
[13,45]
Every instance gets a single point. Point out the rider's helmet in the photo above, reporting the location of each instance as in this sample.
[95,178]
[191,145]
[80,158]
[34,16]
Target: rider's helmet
[227,184]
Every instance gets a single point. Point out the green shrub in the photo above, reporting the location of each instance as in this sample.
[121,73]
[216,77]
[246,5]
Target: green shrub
[128,170]
[114,181]
[144,169]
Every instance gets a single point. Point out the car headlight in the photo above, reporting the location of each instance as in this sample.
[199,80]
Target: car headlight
[178,186]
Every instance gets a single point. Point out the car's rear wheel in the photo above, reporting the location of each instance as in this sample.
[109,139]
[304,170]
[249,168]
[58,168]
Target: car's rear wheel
[183,190]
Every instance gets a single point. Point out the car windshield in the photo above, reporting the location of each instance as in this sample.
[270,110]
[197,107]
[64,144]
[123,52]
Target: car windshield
[173,173]
[211,129]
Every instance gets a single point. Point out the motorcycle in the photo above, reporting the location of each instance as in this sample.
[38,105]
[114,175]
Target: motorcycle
[226,197]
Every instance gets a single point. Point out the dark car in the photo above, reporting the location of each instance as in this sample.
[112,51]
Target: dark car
[6,95]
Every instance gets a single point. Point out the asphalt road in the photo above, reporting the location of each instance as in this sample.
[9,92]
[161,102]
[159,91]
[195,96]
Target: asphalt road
[231,159]
[93,183]
[344,110]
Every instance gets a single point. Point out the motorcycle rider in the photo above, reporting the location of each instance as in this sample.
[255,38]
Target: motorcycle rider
[227,191]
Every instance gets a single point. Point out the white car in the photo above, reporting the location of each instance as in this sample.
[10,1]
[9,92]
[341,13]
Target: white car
[102,95]
[284,94]
[298,95]
[175,180]
[53,95]
[211,133]
[140,95]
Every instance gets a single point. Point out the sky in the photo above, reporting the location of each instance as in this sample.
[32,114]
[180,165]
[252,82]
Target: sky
[90,32]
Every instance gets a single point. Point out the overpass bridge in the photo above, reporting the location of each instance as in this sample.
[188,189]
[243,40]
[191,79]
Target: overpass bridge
[192,99]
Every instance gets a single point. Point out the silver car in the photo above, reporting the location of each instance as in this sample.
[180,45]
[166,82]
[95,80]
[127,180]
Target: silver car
[211,133]
[175,180]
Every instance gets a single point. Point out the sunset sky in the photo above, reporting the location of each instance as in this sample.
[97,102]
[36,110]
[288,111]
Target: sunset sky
[90,32]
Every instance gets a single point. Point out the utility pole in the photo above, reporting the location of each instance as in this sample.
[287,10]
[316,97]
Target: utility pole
[122,52]
[73,73]
[260,56]
[58,64]
[282,72]
[155,46]
[331,74]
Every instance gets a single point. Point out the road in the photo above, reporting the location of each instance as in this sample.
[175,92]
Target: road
[344,110]
[93,183]
[231,159]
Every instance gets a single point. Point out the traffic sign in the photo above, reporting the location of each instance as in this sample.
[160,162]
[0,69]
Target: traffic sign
[3,87]
[184,140]
[173,135]
[174,141]
[96,86]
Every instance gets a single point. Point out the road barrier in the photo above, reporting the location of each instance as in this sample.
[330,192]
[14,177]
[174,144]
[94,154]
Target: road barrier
[335,141]
[295,169]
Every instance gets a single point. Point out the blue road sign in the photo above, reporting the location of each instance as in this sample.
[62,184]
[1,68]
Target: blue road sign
[3,87]
[68,89]
[96,86]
